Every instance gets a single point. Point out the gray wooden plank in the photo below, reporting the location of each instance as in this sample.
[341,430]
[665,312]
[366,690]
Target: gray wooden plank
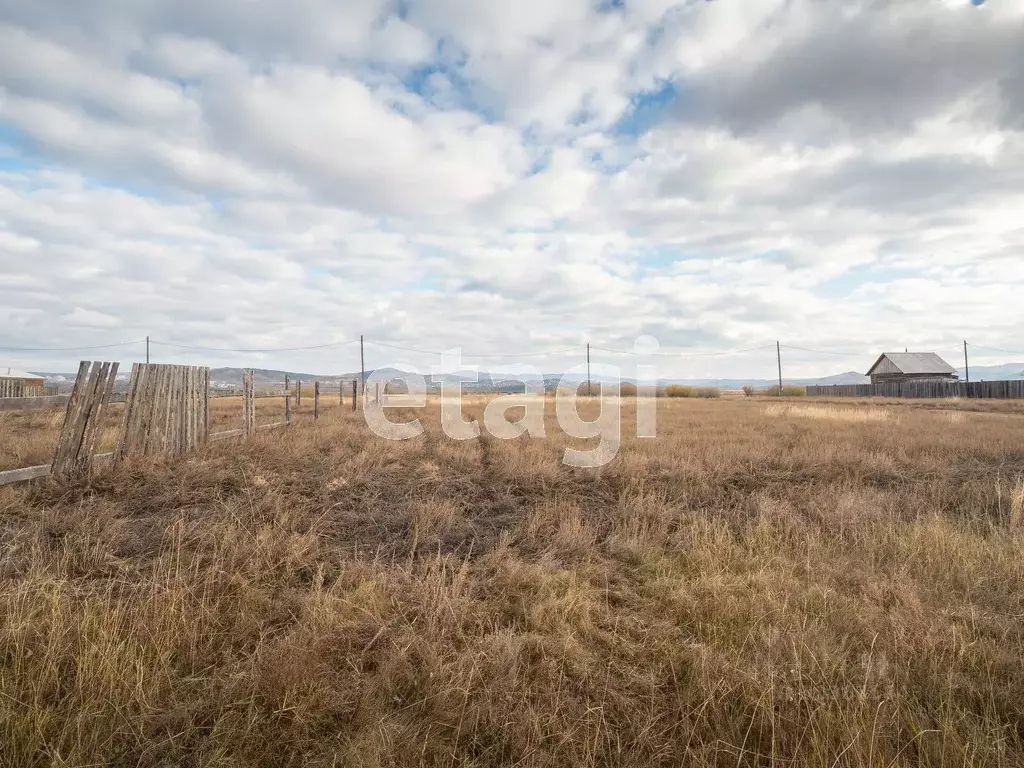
[226,434]
[71,414]
[126,416]
[7,477]
[206,404]
[94,427]
[74,430]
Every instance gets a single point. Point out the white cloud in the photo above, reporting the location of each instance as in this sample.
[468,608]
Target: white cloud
[252,174]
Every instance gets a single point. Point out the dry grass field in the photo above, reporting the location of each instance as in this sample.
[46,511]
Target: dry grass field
[764,584]
[28,438]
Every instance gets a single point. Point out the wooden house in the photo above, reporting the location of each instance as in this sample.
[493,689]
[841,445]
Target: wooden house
[14,383]
[894,367]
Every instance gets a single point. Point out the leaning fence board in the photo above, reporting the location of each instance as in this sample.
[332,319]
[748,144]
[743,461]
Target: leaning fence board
[82,419]
[91,438]
[71,416]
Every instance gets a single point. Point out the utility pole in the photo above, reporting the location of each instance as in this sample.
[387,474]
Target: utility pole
[778,352]
[967,366]
[589,390]
[362,367]
[147,350]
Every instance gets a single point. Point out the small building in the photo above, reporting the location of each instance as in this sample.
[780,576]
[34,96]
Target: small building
[14,383]
[894,367]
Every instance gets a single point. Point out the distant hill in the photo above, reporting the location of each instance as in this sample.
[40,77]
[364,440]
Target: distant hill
[1007,372]
[264,378]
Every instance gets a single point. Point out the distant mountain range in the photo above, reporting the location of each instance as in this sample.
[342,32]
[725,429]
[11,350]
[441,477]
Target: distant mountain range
[231,378]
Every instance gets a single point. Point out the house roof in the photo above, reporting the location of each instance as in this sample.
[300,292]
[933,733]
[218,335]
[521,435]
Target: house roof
[7,372]
[913,363]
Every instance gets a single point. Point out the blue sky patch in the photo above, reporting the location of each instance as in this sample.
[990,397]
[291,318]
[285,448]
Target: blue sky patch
[646,109]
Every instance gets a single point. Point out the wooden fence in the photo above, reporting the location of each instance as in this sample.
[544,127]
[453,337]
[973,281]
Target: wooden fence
[167,411]
[982,390]
[83,419]
[12,388]
[18,388]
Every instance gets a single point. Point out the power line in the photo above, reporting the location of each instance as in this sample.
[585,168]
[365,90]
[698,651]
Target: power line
[275,349]
[72,349]
[827,352]
[997,349]
[682,353]
[476,354]
[491,355]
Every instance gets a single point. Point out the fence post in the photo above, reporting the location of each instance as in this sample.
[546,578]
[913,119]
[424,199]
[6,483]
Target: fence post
[248,404]
[778,352]
[355,393]
[341,392]
[316,400]
[298,393]
[287,406]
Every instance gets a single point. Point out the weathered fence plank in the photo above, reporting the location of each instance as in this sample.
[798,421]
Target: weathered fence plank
[82,419]
[94,428]
[9,476]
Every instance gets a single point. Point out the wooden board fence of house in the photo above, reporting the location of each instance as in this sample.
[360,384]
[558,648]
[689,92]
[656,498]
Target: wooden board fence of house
[21,388]
[12,388]
[167,410]
[981,390]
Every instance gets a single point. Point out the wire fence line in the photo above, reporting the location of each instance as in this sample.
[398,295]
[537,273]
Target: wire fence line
[646,348]
[675,352]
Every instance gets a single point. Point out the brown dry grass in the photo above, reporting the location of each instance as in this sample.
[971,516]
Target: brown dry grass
[30,437]
[745,590]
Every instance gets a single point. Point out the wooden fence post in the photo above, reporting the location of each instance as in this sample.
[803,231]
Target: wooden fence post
[355,393]
[341,392]
[298,394]
[316,400]
[287,406]
[248,404]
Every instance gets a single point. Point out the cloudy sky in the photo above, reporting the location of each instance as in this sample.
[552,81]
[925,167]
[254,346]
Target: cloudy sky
[840,175]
